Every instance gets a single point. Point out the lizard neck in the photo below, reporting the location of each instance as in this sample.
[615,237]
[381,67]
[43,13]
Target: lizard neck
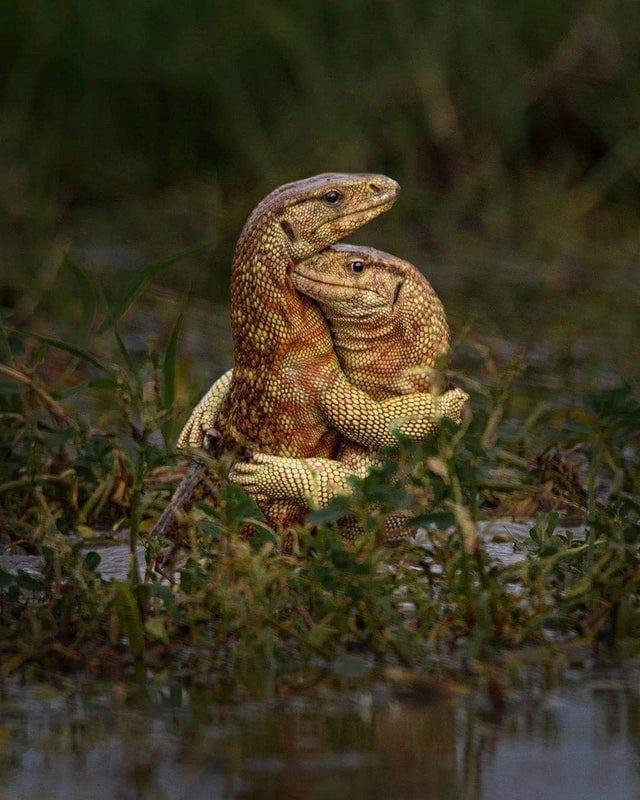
[355,335]
[260,269]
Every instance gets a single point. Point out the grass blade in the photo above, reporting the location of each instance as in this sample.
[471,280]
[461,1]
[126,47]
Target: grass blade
[5,347]
[68,348]
[88,294]
[129,618]
[142,280]
[169,364]
[122,348]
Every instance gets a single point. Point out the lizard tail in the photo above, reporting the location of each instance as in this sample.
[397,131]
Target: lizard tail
[195,486]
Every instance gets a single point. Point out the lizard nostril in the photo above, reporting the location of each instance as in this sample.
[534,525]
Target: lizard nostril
[375,188]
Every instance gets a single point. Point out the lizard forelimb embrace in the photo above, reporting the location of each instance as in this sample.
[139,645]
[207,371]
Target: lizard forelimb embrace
[294,392]
[390,334]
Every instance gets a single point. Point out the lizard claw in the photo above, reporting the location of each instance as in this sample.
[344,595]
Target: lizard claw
[209,437]
[248,476]
[242,468]
[453,402]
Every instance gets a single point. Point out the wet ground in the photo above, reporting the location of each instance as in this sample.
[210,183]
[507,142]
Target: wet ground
[503,539]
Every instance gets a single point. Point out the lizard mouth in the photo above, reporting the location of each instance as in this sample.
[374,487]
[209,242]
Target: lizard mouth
[334,292]
[323,283]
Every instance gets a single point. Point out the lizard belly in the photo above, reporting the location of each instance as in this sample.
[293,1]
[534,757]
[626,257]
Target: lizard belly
[276,410]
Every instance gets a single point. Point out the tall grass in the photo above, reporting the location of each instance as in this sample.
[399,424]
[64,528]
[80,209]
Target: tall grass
[131,128]
[463,102]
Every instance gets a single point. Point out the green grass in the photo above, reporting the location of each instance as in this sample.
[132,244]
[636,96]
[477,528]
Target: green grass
[131,132]
[248,620]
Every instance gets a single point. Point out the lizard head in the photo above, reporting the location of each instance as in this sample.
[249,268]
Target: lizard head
[316,212]
[351,282]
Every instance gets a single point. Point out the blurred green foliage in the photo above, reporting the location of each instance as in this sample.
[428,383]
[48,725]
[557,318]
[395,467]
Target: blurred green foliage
[463,102]
[131,131]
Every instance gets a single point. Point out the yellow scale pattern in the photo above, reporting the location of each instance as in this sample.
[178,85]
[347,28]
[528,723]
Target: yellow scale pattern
[389,332]
[288,395]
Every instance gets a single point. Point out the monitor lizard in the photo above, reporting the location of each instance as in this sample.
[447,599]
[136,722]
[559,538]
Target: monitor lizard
[389,333]
[287,394]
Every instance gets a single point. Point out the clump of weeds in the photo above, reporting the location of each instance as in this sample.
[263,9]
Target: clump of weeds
[86,455]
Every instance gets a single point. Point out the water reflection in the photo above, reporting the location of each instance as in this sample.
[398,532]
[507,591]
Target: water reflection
[581,742]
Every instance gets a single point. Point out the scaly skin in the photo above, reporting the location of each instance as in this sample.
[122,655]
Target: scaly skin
[389,332]
[288,395]
[204,414]
[277,331]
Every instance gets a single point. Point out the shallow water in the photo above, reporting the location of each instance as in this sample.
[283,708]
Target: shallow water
[580,742]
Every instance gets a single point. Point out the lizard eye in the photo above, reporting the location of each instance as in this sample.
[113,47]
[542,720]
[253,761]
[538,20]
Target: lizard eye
[333,197]
[357,266]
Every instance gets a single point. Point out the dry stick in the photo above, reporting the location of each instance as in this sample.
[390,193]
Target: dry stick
[54,407]
[38,480]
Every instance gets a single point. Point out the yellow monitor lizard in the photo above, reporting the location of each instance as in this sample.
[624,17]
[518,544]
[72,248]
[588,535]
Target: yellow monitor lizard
[287,394]
[389,333]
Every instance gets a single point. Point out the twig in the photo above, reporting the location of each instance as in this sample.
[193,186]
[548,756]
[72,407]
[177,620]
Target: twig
[37,480]
[54,407]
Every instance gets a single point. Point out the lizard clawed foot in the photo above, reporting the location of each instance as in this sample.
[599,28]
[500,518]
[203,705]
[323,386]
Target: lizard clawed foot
[452,403]
[260,476]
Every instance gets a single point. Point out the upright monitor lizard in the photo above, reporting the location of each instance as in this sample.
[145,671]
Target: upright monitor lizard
[287,395]
[389,333]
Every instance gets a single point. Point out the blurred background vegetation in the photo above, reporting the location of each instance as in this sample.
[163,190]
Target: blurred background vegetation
[130,131]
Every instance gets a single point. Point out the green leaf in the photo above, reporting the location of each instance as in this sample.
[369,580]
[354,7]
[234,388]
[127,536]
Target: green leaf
[92,560]
[146,275]
[5,347]
[169,364]
[210,529]
[68,348]
[261,537]
[336,509]
[129,617]
[162,592]
[155,627]
[238,506]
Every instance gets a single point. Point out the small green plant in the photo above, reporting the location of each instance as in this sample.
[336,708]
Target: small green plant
[88,454]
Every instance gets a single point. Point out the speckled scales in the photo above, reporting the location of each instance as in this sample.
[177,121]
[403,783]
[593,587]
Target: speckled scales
[281,339]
